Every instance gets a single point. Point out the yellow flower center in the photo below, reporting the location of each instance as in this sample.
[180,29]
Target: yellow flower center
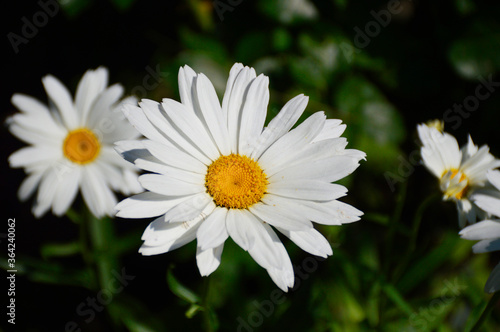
[235,181]
[454,184]
[81,146]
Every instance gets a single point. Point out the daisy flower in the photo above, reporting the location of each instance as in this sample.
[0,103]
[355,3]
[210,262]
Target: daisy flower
[71,145]
[461,171]
[487,231]
[216,172]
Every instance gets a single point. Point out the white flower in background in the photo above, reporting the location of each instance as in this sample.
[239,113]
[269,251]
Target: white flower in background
[221,174]
[487,231]
[71,145]
[461,172]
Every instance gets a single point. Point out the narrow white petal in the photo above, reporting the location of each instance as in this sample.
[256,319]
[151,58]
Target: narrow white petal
[30,155]
[310,241]
[280,124]
[138,119]
[329,170]
[238,224]
[96,194]
[211,111]
[208,260]
[494,177]
[307,189]
[488,204]
[100,117]
[160,236]
[193,207]
[90,86]
[29,184]
[253,114]
[332,129]
[486,229]
[234,99]
[486,246]
[276,215]
[61,97]
[186,81]
[191,127]
[165,185]
[175,157]
[213,232]
[146,205]
[66,191]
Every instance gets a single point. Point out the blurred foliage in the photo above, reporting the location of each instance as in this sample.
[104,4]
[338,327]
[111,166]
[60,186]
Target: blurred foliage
[402,267]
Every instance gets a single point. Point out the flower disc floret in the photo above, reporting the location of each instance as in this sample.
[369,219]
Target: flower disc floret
[235,181]
[81,146]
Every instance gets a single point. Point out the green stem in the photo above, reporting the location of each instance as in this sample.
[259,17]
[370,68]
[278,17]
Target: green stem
[491,304]
[412,242]
[207,318]
[101,235]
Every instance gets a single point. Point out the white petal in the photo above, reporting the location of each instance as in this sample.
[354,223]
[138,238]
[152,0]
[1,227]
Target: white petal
[238,224]
[211,111]
[165,185]
[267,251]
[329,170]
[138,119]
[96,194]
[66,191]
[90,86]
[307,189]
[208,260]
[33,155]
[488,204]
[61,97]
[280,124]
[494,177]
[278,216]
[253,114]
[29,184]
[234,99]
[175,157]
[146,205]
[332,129]
[186,81]
[192,207]
[46,193]
[311,241]
[191,127]
[101,115]
[213,232]
[486,246]
[161,236]
[285,149]
[486,229]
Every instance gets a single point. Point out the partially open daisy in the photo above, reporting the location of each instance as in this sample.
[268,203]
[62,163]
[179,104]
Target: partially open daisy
[71,145]
[487,232]
[220,173]
[461,172]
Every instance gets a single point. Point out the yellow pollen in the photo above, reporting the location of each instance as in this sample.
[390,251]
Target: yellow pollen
[81,146]
[235,181]
[456,187]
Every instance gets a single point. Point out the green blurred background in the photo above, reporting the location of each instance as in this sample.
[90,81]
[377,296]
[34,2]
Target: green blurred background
[381,67]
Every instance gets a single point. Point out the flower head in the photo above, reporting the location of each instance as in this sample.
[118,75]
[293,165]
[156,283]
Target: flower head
[487,232]
[71,145]
[461,172]
[218,173]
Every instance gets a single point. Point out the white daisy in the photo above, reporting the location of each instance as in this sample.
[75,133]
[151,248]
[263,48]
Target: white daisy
[487,231]
[461,172]
[71,145]
[220,173]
